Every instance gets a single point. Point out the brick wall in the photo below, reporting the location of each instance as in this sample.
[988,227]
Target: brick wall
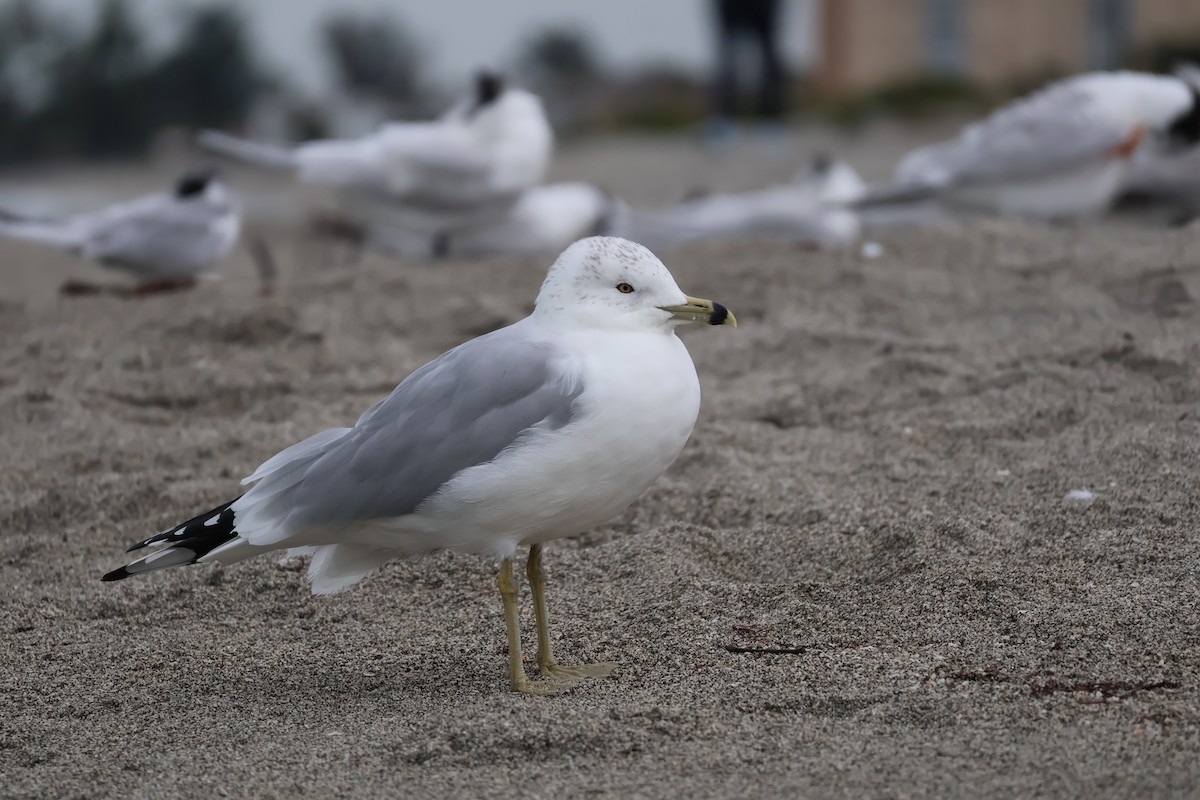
[866,44]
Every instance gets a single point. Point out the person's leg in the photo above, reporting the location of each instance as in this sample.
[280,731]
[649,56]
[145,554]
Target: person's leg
[725,13]
[764,28]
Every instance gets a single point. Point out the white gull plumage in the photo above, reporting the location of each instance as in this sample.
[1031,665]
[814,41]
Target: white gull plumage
[163,240]
[1062,151]
[466,168]
[537,431]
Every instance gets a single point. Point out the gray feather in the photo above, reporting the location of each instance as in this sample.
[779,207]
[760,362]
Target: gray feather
[459,411]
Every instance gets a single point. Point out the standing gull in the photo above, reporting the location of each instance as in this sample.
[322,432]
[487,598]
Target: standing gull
[165,241]
[537,431]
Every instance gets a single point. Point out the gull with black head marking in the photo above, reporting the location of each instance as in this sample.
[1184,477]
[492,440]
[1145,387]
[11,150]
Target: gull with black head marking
[165,241]
[465,168]
[540,430]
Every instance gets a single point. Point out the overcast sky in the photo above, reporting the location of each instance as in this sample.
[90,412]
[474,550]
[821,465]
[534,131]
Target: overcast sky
[460,35]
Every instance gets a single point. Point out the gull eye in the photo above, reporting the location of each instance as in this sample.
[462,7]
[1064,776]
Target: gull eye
[624,288]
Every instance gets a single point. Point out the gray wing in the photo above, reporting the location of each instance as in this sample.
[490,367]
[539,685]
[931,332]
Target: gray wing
[1055,129]
[459,411]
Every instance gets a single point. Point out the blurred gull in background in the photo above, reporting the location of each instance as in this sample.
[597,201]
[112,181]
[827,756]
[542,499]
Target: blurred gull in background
[545,219]
[831,180]
[1167,181]
[808,211]
[466,168]
[165,241]
[1061,152]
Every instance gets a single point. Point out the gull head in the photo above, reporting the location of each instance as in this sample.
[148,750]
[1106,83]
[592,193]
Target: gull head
[610,283]
[1160,105]
[195,182]
[495,106]
[201,184]
[488,88]
[511,124]
[1167,106]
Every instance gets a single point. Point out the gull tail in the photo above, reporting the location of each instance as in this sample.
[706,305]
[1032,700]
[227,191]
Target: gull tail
[12,216]
[42,231]
[184,544]
[256,153]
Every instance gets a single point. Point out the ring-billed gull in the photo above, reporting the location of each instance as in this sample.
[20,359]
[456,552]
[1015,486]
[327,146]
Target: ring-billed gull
[537,431]
[466,168]
[1062,151]
[166,241]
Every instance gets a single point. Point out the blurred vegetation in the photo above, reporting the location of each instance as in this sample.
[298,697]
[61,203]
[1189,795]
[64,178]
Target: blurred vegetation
[1165,56]
[565,69]
[104,93]
[109,89]
[560,55]
[658,98]
[910,98]
[375,57]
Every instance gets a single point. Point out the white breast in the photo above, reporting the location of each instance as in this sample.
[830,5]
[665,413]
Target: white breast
[640,402]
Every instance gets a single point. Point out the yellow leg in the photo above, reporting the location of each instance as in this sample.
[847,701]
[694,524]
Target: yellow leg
[512,621]
[550,669]
[537,587]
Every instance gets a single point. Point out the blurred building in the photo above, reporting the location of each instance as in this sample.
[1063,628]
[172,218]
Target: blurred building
[866,44]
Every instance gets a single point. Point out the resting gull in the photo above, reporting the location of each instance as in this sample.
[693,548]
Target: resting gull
[1061,152]
[537,431]
[165,241]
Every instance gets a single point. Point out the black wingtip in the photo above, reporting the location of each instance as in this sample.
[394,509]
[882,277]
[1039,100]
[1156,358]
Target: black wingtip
[719,314]
[201,525]
[116,575]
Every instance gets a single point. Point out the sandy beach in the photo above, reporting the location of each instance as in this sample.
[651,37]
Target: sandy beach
[860,579]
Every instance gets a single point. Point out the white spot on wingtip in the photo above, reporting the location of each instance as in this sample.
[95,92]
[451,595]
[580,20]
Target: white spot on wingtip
[213,520]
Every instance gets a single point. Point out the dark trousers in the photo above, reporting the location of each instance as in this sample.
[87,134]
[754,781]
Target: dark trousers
[755,22]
